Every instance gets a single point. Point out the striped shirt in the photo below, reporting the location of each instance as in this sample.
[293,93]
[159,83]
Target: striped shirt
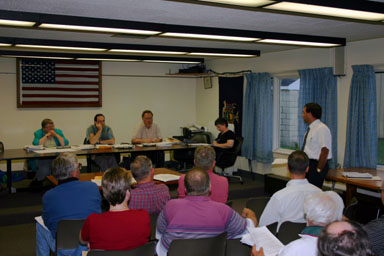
[375,230]
[197,217]
[150,197]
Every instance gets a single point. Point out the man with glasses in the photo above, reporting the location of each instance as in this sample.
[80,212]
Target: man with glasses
[99,133]
[71,199]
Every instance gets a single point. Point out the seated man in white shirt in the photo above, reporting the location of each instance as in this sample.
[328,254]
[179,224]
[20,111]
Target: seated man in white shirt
[320,209]
[287,203]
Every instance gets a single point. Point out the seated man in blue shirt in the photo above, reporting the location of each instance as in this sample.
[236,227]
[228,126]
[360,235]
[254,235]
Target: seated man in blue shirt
[48,136]
[71,199]
[99,133]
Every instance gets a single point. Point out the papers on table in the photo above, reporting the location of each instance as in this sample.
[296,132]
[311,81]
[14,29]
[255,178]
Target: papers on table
[262,237]
[83,147]
[98,179]
[56,150]
[360,175]
[122,146]
[164,144]
[166,177]
[199,144]
[33,148]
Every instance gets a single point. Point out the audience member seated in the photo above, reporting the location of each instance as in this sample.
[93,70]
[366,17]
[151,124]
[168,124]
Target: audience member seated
[147,195]
[225,140]
[119,228]
[148,132]
[48,136]
[375,230]
[205,159]
[320,209]
[287,203]
[197,216]
[344,238]
[99,133]
[71,199]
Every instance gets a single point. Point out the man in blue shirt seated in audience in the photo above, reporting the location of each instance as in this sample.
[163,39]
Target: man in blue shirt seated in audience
[48,136]
[197,216]
[71,199]
[100,133]
[287,203]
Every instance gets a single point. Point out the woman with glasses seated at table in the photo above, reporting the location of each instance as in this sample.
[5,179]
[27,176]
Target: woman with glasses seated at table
[225,140]
[48,136]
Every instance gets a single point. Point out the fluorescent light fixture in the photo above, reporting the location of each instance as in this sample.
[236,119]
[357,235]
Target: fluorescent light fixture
[222,54]
[5,45]
[325,10]
[147,51]
[214,37]
[173,61]
[292,42]
[61,47]
[38,57]
[100,29]
[250,3]
[125,60]
[16,23]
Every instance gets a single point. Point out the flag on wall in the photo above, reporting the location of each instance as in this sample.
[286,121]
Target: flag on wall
[58,83]
[231,90]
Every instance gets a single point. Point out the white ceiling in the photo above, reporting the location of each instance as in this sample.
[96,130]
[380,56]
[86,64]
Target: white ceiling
[184,14]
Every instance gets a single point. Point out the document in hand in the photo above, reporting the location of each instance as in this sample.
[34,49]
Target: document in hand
[166,177]
[262,237]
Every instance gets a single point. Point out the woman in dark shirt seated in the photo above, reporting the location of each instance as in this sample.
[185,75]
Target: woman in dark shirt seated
[225,140]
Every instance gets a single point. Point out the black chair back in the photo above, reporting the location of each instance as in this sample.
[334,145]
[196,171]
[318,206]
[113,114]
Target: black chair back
[212,246]
[153,219]
[1,147]
[67,234]
[289,231]
[145,250]
[257,205]
[228,159]
[237,248]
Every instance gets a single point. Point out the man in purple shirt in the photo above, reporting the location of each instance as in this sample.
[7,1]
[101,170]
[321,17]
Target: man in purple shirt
[205,159]
[147,195]
[197,216]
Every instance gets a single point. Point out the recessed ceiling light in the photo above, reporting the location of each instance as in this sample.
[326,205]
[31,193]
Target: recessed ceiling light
[146,51]
[250,3]
[325,10]
[5,45]
[17,23]
[61,47]
[124,60]
[173,61]
[214,37]
[37,57]
[99,29]
[221,54]
[291,42]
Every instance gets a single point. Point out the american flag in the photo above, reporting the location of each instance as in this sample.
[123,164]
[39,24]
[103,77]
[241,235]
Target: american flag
[58,83]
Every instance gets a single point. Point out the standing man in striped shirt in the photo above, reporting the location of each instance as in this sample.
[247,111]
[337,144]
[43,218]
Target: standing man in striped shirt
[197,216]
[147,195]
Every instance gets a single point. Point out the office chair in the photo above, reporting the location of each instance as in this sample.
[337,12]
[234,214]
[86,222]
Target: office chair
[289,231]
[212,246]
[257,205]
[153,221]
[90,161]
[67,234]
[145,250]
[237,248]
[228,159]
[1,147]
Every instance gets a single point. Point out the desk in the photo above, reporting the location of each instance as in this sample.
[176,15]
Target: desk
[353,184]
[21,154]
[92,175]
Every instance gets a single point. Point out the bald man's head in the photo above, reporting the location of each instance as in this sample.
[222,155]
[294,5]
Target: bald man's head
[343,238]
[197,182]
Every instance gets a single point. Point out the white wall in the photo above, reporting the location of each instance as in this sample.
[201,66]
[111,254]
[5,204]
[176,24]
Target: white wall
[287,62]
[172,101]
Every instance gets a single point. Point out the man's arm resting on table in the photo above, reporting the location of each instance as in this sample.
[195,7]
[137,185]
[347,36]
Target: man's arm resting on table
[228,144]
[323,158]
[139,141]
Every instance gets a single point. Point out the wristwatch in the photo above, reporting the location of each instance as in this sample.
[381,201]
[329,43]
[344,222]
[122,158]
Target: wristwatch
[318,170]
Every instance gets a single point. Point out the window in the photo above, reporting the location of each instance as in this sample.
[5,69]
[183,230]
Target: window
[289,113]
[380,117]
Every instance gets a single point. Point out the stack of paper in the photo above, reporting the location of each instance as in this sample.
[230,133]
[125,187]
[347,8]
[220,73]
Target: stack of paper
[262,237]
[33,148]
[166,177]
[164,144]
[122,146]
[357,175]
[83,147]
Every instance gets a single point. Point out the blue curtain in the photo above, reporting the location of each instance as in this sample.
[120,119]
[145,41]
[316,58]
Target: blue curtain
[319,85]
[258,118]
[361,141]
